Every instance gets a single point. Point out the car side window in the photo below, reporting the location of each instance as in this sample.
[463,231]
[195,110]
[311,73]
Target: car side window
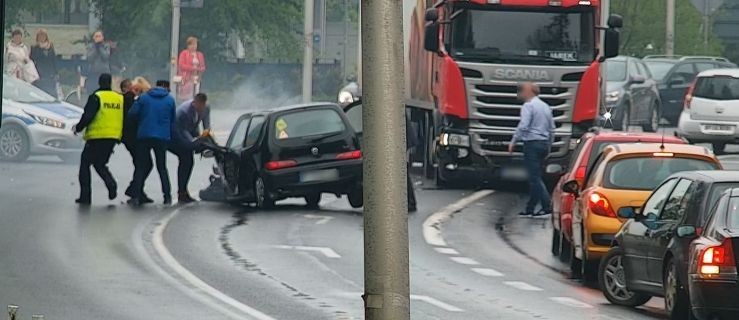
[591,173]
[684,73]
[255,128]
[678,201]
[703,66]
[657,200]
[633,70]
[645,70]
[718,209]
[238,134]
[354,114]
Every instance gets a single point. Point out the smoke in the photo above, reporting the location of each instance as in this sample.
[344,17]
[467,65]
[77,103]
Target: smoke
[261,91]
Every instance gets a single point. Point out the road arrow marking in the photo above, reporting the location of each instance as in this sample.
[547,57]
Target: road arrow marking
[522,286]
[571,302]
[436,303]
[432,225]
[321,219]
[328,252]
[487,272]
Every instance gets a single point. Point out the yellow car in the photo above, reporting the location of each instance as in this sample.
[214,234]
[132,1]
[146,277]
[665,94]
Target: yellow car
[623,175]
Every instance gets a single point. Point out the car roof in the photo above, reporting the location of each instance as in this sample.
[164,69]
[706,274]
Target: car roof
[713,176]
[730,72]
[636,137]
[292,107]
[633,148]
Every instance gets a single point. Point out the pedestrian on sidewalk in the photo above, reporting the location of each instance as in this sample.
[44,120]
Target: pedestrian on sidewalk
[98,58]
[155,114]
[18,63]
[190,67]
[185,140]
[102,121]
[536,131]
[44,56]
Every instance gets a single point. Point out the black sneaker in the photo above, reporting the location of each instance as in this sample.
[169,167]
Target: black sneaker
[167,200]
[185,198]
[525,214]
[82,201]
[113,193]
[145,199]
[541,214]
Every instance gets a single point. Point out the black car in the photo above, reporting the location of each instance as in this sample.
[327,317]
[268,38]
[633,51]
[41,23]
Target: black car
[632,98]
[295,151]
[674,74]
[713,281]
[649,255]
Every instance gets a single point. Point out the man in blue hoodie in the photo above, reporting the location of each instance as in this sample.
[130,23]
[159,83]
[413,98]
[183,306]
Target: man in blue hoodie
[155,114]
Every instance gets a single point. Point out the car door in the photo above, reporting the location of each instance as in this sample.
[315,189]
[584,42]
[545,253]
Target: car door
[635,235]
[354,115]
[250,155]
[650,90]
[639,107]
[229,160]
[676,85]
[659,236]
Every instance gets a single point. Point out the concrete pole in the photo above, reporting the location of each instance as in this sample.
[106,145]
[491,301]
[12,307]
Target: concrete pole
[344,72]
[359,47]
[670,28]
[308,55]
[174,45]
[706,22]
[386,280]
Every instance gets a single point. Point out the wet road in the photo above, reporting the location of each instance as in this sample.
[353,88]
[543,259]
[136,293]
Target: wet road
[471,258]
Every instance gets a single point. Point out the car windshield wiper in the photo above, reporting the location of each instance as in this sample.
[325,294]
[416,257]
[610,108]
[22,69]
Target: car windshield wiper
[326,136]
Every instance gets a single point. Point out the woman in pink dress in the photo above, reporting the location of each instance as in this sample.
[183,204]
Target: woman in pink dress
[190,67]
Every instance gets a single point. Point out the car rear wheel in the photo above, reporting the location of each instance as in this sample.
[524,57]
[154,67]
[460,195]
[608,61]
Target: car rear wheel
[653,124]
[556,238]
[14,144]
[263,199]
[313,199]
[566,249]
[356,198]
[612,281]
[677,302]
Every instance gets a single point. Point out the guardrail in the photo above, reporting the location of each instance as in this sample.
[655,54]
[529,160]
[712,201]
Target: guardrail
[13,314]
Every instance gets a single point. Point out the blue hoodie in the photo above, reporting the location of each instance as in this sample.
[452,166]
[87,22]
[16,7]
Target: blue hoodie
[155,112]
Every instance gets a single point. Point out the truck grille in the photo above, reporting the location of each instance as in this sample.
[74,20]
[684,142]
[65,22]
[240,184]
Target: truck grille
[494,108]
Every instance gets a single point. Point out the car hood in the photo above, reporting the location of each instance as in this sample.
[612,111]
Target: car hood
[57,109]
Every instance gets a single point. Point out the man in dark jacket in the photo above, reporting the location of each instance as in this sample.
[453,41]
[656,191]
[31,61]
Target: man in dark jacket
[155,114]
[130,128]
[184,139]
[102,121]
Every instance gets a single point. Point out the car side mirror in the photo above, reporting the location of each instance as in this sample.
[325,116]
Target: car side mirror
[554,169]
[638,79]
[572,187]
[612,43]
[431,37]
[208,154]
[626,213]
[686,232]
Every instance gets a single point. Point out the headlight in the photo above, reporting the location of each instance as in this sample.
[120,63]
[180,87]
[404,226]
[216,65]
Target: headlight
[345,97]
[452,139]
[613,96]
[47,121]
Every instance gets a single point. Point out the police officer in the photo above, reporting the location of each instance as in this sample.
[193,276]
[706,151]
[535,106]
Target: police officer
[102,121]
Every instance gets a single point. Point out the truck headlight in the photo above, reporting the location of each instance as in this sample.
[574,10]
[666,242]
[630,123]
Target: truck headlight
[346,97]
[613,96]
[453,139]
[47,121]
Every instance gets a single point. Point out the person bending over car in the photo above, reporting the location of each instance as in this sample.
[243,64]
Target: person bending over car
[185,140]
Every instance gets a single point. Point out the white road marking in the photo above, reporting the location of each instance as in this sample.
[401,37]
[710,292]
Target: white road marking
[570,302]
[432,225]
[328,252]
[447,251]
[487,272]
[436,303]
[464,260]
[167,258]
[321,219]
[522,286]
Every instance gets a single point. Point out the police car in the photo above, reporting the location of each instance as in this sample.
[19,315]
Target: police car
[35,123]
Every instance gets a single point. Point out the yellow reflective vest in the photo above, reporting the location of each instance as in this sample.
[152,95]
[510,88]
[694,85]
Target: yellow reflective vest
[108,122]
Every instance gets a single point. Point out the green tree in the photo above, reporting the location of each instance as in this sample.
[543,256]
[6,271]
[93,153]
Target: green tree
[14,9]
[644,27]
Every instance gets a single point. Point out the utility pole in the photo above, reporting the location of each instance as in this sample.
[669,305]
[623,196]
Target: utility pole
[359,46]
[174,45]
[706,21]
[308,55]
[344,59]
[670,29]
[386,279]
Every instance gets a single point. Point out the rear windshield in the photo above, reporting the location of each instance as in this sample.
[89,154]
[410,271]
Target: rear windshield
[732,220]
[598,147]
[646,173]
[307,124]
[717,88]
[717,190]
[659,69]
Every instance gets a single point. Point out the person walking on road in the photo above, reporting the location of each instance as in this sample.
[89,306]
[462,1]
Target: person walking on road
[44,56]
[190,115]
[102,121]
[131,91]
[155,114]
[98,58]
[536,131]
[411,142]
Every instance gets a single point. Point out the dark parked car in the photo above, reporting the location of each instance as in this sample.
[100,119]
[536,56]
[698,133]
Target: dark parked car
[713,280]
[632,98]
[650,253]
[674,74]
[295,151]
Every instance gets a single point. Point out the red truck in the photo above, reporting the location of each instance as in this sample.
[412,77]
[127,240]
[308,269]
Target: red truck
[463,62]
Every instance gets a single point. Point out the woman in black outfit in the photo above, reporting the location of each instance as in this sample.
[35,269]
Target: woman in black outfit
[43,55]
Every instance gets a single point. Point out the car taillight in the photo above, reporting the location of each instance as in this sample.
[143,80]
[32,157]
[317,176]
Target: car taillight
[718,262]
[580,175]
[274,165]
[689,96]
[598,204]
[357,154]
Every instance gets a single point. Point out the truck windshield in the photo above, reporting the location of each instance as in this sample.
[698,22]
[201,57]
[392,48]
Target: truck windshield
[523,36]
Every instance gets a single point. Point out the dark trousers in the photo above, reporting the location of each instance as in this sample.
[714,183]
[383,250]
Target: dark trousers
[411,189]
[96,154]
[185,155]
[534,153]
[144,165]
[131,148]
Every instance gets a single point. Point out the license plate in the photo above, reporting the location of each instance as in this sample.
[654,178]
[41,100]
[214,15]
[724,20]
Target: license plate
[319,175]
[517,174]
[717,128]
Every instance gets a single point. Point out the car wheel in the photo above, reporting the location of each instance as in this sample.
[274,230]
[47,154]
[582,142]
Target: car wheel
[653,124]
[566,249]
[677,302]
[313,199]
[14,144]
[612,281]
[575,264]
[623,125]
[356,198]
[262,196]
[556,237]
[718,147]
